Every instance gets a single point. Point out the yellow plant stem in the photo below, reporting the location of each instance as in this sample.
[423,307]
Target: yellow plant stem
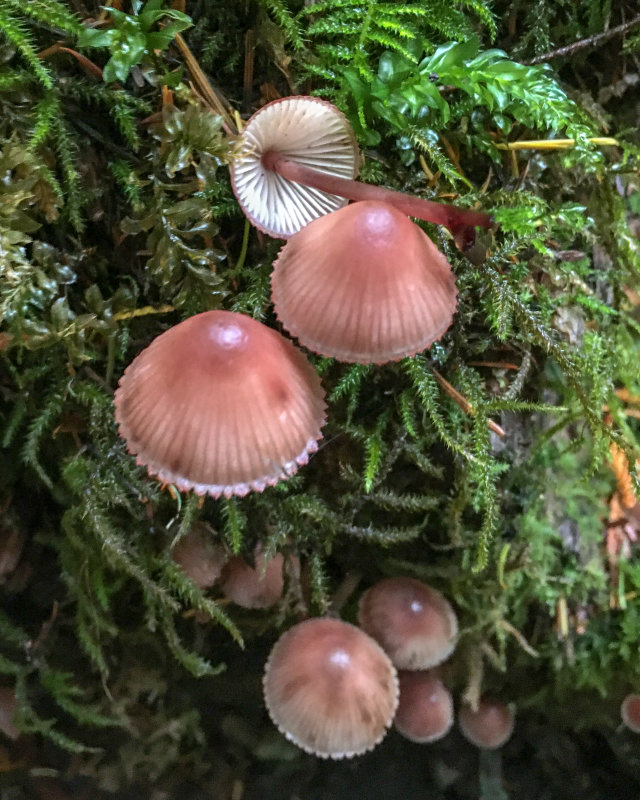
[555,144]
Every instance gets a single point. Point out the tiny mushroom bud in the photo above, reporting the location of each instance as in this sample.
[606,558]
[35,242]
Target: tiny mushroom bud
[414,623]
[489,727]
[330,688]
[199,556]
[364,284]
[630,712]
[297,159]
[425,710]
[254,587]
[220,404]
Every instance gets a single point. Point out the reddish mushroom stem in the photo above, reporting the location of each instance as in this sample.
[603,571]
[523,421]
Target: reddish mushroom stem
[440,213]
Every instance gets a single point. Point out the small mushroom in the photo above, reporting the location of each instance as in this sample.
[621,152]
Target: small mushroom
[220,404]
[364,284]
[297,159]
[489,726]
[413,622]
[630,712]
[330,689]
[199,556]
[254,587]
[425,710]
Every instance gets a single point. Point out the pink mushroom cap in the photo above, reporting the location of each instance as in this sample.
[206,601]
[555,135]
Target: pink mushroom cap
[254,587]
[330,689]
[364,284]
[489,727]
[425,710]
[413,622]
[220,404]
[630,712]
[199,556]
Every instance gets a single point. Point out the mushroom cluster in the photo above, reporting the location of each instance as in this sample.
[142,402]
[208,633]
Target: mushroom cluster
[222,405]
[332,688]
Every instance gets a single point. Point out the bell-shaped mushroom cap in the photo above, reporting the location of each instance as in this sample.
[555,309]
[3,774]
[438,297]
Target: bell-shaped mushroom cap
[425,710]
[413,622]
[306,130]
[220,404]
[364,284]
[489,727]
[630,712]
[254,587]
[198,555]
[330,688]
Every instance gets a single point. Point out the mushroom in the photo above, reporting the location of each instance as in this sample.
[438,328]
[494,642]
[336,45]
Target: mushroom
[363,284]
[220,404]
[414,623]
[297,159]
[254,587]
[489,726]
[330,689]
[425,710]
[199,556]
[630,712]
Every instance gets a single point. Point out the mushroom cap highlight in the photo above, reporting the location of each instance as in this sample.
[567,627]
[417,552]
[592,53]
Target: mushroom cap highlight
[307,130]
[489,727]
[630,712]
[220,404]
[364,284]
[413,623]
[330,688]
[425,710]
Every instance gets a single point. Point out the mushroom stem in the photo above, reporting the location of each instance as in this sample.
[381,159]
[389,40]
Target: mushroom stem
[440,213]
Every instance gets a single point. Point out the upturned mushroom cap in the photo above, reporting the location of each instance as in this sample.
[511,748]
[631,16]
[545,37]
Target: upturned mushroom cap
[630,712]
[220,404]
[414,623]
[364,284]
[489,727]
[307,130]
[254,587]
[330,689]
[425,710]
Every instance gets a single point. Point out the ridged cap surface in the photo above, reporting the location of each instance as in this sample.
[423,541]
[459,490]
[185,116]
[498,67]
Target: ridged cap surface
[364,284]
[330,689]
[306,130]
[220,404]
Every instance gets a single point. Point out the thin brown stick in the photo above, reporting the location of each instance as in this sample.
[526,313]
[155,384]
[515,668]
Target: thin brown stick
[590,41]
[247,79]
[209,95]
[464,404]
